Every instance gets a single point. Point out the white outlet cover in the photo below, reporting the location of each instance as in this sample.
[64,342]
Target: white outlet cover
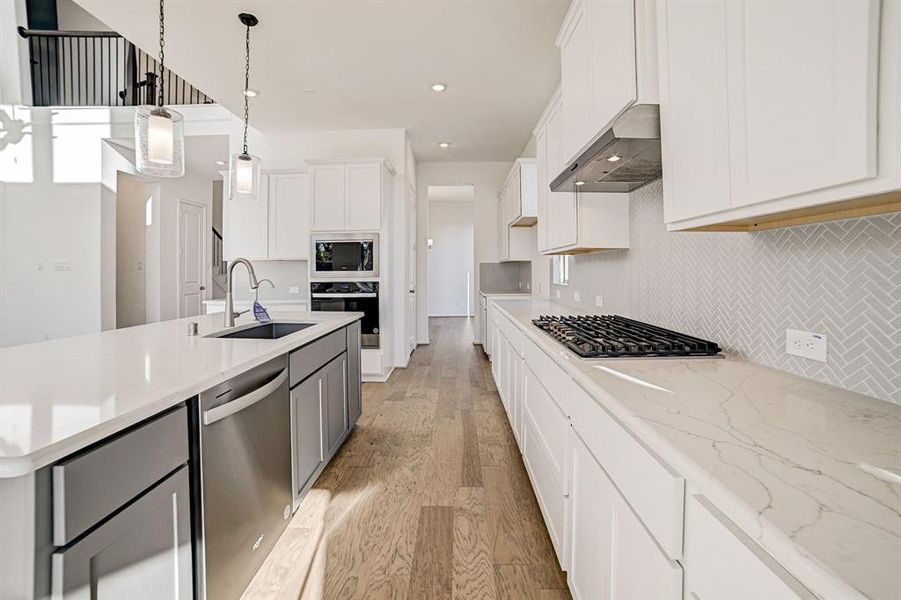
[558,293]
[577,296]
[599,301]
[806,344]
[293,289]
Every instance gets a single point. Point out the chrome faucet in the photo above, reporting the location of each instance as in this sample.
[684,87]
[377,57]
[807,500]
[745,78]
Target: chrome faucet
[230,313]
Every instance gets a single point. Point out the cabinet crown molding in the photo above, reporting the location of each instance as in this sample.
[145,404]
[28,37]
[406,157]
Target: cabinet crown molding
[353,161]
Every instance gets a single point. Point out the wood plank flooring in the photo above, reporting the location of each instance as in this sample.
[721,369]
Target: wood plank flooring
[427,499]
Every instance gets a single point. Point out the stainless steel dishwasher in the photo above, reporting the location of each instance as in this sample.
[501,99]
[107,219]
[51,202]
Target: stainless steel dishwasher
[244,487]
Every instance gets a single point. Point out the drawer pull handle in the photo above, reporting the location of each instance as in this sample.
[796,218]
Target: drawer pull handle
[238,404]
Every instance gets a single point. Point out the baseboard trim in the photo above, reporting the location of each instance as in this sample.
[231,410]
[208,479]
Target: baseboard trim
[377,377]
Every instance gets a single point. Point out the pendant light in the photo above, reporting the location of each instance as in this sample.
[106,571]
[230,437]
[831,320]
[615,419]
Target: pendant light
[244,168]
[159,131]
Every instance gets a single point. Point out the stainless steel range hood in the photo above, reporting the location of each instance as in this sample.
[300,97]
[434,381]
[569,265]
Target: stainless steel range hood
[624,157]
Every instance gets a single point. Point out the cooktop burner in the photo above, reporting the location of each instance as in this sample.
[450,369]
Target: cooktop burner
[609,336]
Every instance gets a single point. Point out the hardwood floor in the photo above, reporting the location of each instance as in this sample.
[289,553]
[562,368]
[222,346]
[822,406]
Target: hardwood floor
[428,498]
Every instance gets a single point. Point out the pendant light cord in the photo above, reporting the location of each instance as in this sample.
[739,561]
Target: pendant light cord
[246,84]
[162,52]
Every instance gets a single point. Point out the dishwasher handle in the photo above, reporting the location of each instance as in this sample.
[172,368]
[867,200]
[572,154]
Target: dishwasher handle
[238,404]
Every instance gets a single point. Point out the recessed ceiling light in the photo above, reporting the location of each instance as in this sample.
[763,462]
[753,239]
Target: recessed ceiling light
[580,182]
[438,87]
[251,93]
[614,158]
[444,144]
[221,163]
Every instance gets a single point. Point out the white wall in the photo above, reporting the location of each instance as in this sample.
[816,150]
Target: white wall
[131,249]
[487,178]
[14,72]
[451,259]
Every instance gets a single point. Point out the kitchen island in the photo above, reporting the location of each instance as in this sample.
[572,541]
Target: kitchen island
[74,397]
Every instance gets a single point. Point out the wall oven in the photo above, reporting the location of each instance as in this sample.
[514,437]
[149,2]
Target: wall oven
[345,255]
[350,296]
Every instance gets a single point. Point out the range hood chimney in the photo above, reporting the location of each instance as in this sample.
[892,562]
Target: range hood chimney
[624,157]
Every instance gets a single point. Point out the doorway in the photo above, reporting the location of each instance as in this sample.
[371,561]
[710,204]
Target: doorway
[451,249]
[192,228]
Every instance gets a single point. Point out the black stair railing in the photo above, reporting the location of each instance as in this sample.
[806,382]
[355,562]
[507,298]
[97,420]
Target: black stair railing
[98,68]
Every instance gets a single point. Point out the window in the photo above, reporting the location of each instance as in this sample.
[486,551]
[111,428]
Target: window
[561,270]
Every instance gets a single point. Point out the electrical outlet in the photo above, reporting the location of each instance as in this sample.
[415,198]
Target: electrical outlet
[62,265]
[577,296]
[806,344]
[558,293]
[293,289]
[599,301]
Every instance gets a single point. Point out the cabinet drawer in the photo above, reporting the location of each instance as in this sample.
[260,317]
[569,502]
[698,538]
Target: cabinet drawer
[514,334]
[652,488]
[723,562]
[551,375]
[307,360]
[92,484]
[542,473]
[551,426]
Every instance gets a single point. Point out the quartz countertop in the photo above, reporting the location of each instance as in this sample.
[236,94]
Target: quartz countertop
[60,396]
[810,471]
[505,294]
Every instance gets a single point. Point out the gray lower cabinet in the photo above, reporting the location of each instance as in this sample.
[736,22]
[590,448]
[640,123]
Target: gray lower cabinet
[143,551]
[354,385]
[306,417]
[335,394]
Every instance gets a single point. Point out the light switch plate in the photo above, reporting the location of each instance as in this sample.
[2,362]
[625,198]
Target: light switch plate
[599,301]
[293,289]
[577,296]
[806,344]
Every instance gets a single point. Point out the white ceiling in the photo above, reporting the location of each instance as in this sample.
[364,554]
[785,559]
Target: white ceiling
[370,62]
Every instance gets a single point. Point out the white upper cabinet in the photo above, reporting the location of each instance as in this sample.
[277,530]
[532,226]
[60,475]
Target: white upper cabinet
[327,192]
[802,95]
[607,63]
[520,194]
[245,225]
[348,195]
[570,222]
[778,113]
[276,226]
[289,216]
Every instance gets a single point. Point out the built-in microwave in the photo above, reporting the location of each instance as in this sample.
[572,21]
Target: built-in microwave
[345,255]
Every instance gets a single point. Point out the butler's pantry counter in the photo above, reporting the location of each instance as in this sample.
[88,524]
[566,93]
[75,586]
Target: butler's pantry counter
[785,486]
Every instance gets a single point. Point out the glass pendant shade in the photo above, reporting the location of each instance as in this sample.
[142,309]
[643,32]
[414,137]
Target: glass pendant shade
[160,142]
[244,177]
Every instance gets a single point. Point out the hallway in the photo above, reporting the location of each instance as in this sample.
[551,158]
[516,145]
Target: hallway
[427,499]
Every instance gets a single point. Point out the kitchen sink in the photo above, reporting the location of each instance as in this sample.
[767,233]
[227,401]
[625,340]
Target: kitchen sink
[266,331]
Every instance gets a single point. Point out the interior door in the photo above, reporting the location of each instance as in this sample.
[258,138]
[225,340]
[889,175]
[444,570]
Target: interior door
[411,273]
[191,258]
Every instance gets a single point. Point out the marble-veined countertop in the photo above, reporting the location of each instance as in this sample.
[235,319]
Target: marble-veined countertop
[812,472]
[60,396]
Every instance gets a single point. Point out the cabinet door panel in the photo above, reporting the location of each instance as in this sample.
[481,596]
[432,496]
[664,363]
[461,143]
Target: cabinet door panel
[328,195]
[289,220]
[354,390]
[613,65]
[336,400]
[145,547]
[561,210]
[364,192]
[543,190]
[306,414]
[246,225]
[576,84]
[694,114]
[802,95]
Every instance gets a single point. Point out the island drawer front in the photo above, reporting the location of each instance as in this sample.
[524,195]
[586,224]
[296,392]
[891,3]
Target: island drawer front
[92,484]
[307,360]
[654,491]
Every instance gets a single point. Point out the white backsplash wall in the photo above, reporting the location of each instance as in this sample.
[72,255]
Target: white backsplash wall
[285,274]
[743,290]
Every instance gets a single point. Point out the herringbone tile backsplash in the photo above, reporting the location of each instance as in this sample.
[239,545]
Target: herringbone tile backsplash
[744,290]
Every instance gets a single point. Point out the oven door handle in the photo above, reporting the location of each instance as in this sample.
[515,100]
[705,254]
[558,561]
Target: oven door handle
[238,404]
[372,295]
